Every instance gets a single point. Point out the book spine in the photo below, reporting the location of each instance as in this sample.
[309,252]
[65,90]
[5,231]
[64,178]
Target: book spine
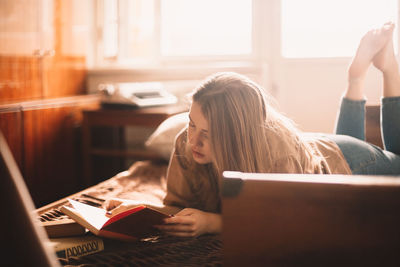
[79,250]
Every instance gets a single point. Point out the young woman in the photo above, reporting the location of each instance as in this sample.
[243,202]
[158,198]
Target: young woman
[234,127]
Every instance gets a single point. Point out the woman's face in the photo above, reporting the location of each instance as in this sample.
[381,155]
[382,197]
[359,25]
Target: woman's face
[198,135]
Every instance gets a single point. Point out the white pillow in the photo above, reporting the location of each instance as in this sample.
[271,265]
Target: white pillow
[163,138]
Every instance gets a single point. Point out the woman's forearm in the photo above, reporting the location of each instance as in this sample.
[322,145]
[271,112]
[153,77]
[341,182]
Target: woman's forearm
[214,223]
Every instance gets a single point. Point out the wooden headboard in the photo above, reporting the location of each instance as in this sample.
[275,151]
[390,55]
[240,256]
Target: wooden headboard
[310,220]
[372,125]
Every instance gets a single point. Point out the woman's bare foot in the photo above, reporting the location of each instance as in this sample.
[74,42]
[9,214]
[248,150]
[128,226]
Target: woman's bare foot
[372,44]
[385,60]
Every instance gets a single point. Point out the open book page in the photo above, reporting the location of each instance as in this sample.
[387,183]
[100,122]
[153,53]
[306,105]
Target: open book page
[135,222]
[168,210]
[94,216]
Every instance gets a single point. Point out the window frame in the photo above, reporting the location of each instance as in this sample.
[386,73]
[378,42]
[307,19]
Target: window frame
[266,61]
[162,61]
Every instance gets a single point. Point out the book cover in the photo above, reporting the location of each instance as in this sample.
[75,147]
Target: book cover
[132,224]
[63,228]
[76,246]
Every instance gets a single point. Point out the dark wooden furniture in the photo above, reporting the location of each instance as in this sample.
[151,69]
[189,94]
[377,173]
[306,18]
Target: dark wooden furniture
[45,139]
[42,92]
[372,125]
[148,179]
[118,119]
[310,220]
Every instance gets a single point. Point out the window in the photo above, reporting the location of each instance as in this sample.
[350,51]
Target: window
[110,29]
[207,27]
[157,32]
[315,28]
[149,31]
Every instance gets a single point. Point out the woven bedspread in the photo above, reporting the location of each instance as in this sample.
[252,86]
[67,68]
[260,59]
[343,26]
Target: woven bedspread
[145,181]
[158,251]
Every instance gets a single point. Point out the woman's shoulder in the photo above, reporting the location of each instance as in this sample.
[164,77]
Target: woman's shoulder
[181,149]
[181,140]
[281,142]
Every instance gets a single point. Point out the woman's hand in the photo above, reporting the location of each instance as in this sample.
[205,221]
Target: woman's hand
[117,205]
[192,222]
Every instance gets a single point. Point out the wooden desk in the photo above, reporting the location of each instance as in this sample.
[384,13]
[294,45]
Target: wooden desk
[120,118]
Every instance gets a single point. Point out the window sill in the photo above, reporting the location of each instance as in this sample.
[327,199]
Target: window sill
[177,71]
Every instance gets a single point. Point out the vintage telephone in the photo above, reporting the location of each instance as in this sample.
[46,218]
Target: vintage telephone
[140,94]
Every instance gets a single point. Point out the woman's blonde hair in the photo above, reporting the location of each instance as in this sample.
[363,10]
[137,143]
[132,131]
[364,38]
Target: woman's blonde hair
[240,114]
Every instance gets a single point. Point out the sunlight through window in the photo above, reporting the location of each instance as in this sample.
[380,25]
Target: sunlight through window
[315,28]
[207,27]
[110,29]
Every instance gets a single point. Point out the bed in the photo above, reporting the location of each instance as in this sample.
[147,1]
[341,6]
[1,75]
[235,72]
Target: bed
[144,180]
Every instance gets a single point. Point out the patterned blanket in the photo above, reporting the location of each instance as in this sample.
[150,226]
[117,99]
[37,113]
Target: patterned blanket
[144,181]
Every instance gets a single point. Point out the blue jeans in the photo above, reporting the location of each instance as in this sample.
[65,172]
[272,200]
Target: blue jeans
[363,157]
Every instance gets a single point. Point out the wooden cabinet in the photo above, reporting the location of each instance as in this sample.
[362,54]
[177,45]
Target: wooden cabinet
[24,39]
[43,45]
[52,147]
[45,138]
[11,126]
[43,48]
[20,78]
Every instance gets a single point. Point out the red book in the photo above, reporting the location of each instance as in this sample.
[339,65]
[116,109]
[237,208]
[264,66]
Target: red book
[132,224]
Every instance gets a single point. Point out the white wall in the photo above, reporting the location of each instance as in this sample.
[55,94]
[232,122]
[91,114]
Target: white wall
[309,91]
